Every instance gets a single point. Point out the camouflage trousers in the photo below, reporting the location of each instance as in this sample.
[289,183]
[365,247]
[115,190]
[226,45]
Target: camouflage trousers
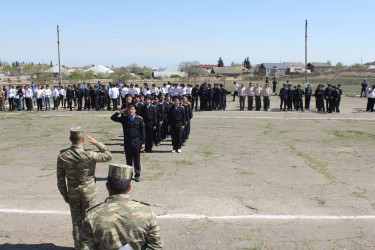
[78,205]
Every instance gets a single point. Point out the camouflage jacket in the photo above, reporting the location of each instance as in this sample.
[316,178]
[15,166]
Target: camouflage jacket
[119,221]
[77,165]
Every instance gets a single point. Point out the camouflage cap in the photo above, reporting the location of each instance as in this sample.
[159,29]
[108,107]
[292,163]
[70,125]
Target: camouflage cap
[76,133]
[120,171]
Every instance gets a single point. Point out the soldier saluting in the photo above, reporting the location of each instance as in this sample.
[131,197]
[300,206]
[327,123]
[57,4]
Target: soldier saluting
[77,166]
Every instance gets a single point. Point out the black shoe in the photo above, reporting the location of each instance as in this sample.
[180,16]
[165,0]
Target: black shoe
[137,179]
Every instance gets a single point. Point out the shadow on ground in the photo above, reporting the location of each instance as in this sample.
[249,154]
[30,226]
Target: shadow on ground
[42,246]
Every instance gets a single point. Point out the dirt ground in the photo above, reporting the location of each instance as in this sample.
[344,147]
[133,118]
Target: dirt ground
[236,163]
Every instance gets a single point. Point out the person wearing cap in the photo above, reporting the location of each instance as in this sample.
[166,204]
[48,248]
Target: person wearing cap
[134,136]
[327,96]
[258,93]
[159,120]
[339,90]
[188,115]
[76,166]
[194,96]
[149,115]
[120,222]
[299,98]
[370,99]
[138,104]
[176,119]
[283,94]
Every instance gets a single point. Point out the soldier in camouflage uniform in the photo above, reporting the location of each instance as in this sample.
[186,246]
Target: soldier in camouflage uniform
[2,99]
[119,221]
[77,165]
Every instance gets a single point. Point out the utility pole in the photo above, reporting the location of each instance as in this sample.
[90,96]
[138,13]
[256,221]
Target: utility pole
[306,53]
[58,47]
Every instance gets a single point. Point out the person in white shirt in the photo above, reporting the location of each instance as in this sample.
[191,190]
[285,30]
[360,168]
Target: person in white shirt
[189,90]
[370,99]
[124,92]
[258,93]
[56,97]
[11,95]
[182,90]
[175,90]
[235,91]
[136,90]
[47,97]
[154,90]
[164,89]
[242,96]
[146,90]
[250,96]
[266,93]
[28,98]
[113,95]
[62,95]
[39,98]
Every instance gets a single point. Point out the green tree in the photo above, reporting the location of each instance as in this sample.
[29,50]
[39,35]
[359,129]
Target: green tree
[75,76]
[220,62]
[339,65]
[88,75]
[147,74]
[246,63]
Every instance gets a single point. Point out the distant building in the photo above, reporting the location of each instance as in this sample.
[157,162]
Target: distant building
[168,72]
[100,69]
[230,71]
[318,67]
[294,67]
[272,69]
[206,66]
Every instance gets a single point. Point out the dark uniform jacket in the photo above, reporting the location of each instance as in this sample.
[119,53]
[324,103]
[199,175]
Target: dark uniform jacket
[149,115]
[176,116]
[134,131]
[283,93]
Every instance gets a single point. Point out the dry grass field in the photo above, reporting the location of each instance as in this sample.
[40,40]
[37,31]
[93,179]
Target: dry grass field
[245,179]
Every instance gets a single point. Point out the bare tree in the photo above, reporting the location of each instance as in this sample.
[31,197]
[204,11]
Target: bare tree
[191,68]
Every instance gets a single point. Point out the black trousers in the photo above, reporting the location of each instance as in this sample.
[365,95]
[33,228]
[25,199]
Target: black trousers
[61,100]
[56,103]
[370,104]
[266,100]
[39,104]
[307,102]
[29,104]
[234,95]
[258,103]
[299,104]
[164,130]
[290,104]
[70,103]
[176,136]
[114,103]
[250,102]
[79,102]
[283,102]
[87,104]
[149,137]
[157,134]
[242,102]
[11,104]
[133,155]
[194,103]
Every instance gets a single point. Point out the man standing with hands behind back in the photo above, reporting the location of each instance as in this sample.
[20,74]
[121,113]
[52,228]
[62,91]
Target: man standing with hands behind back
[134,137]
[77,166]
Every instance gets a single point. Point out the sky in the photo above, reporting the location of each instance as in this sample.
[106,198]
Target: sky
[165,32]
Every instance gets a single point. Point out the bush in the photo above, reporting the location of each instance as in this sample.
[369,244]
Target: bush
[175,76]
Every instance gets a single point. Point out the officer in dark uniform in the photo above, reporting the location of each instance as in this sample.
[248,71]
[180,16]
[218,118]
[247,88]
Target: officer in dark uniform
[176,119]
[223,97]
[210,96]
[138,104]
[79,94]
[319,98]
[97,98]
[127,101]
[164,120]
[299,98]
[195,94]
[87,97]
[283,97]
[308,93]
[149,115]
[134,137]
[188,115]
[339,89]
[327,96]
[333,99]
[159,120]
[290,92]
[203,96]
[70,96]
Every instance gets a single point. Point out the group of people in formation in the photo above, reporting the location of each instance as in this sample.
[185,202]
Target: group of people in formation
[291,97]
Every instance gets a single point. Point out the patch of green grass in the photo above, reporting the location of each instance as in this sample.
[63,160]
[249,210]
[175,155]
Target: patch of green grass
[206,151]
[243,172]
[184,163]
[361,195]
[361,235]
[47,175]
[293,166]
[49,167]
[320,201]
[315,164]
[351,135]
